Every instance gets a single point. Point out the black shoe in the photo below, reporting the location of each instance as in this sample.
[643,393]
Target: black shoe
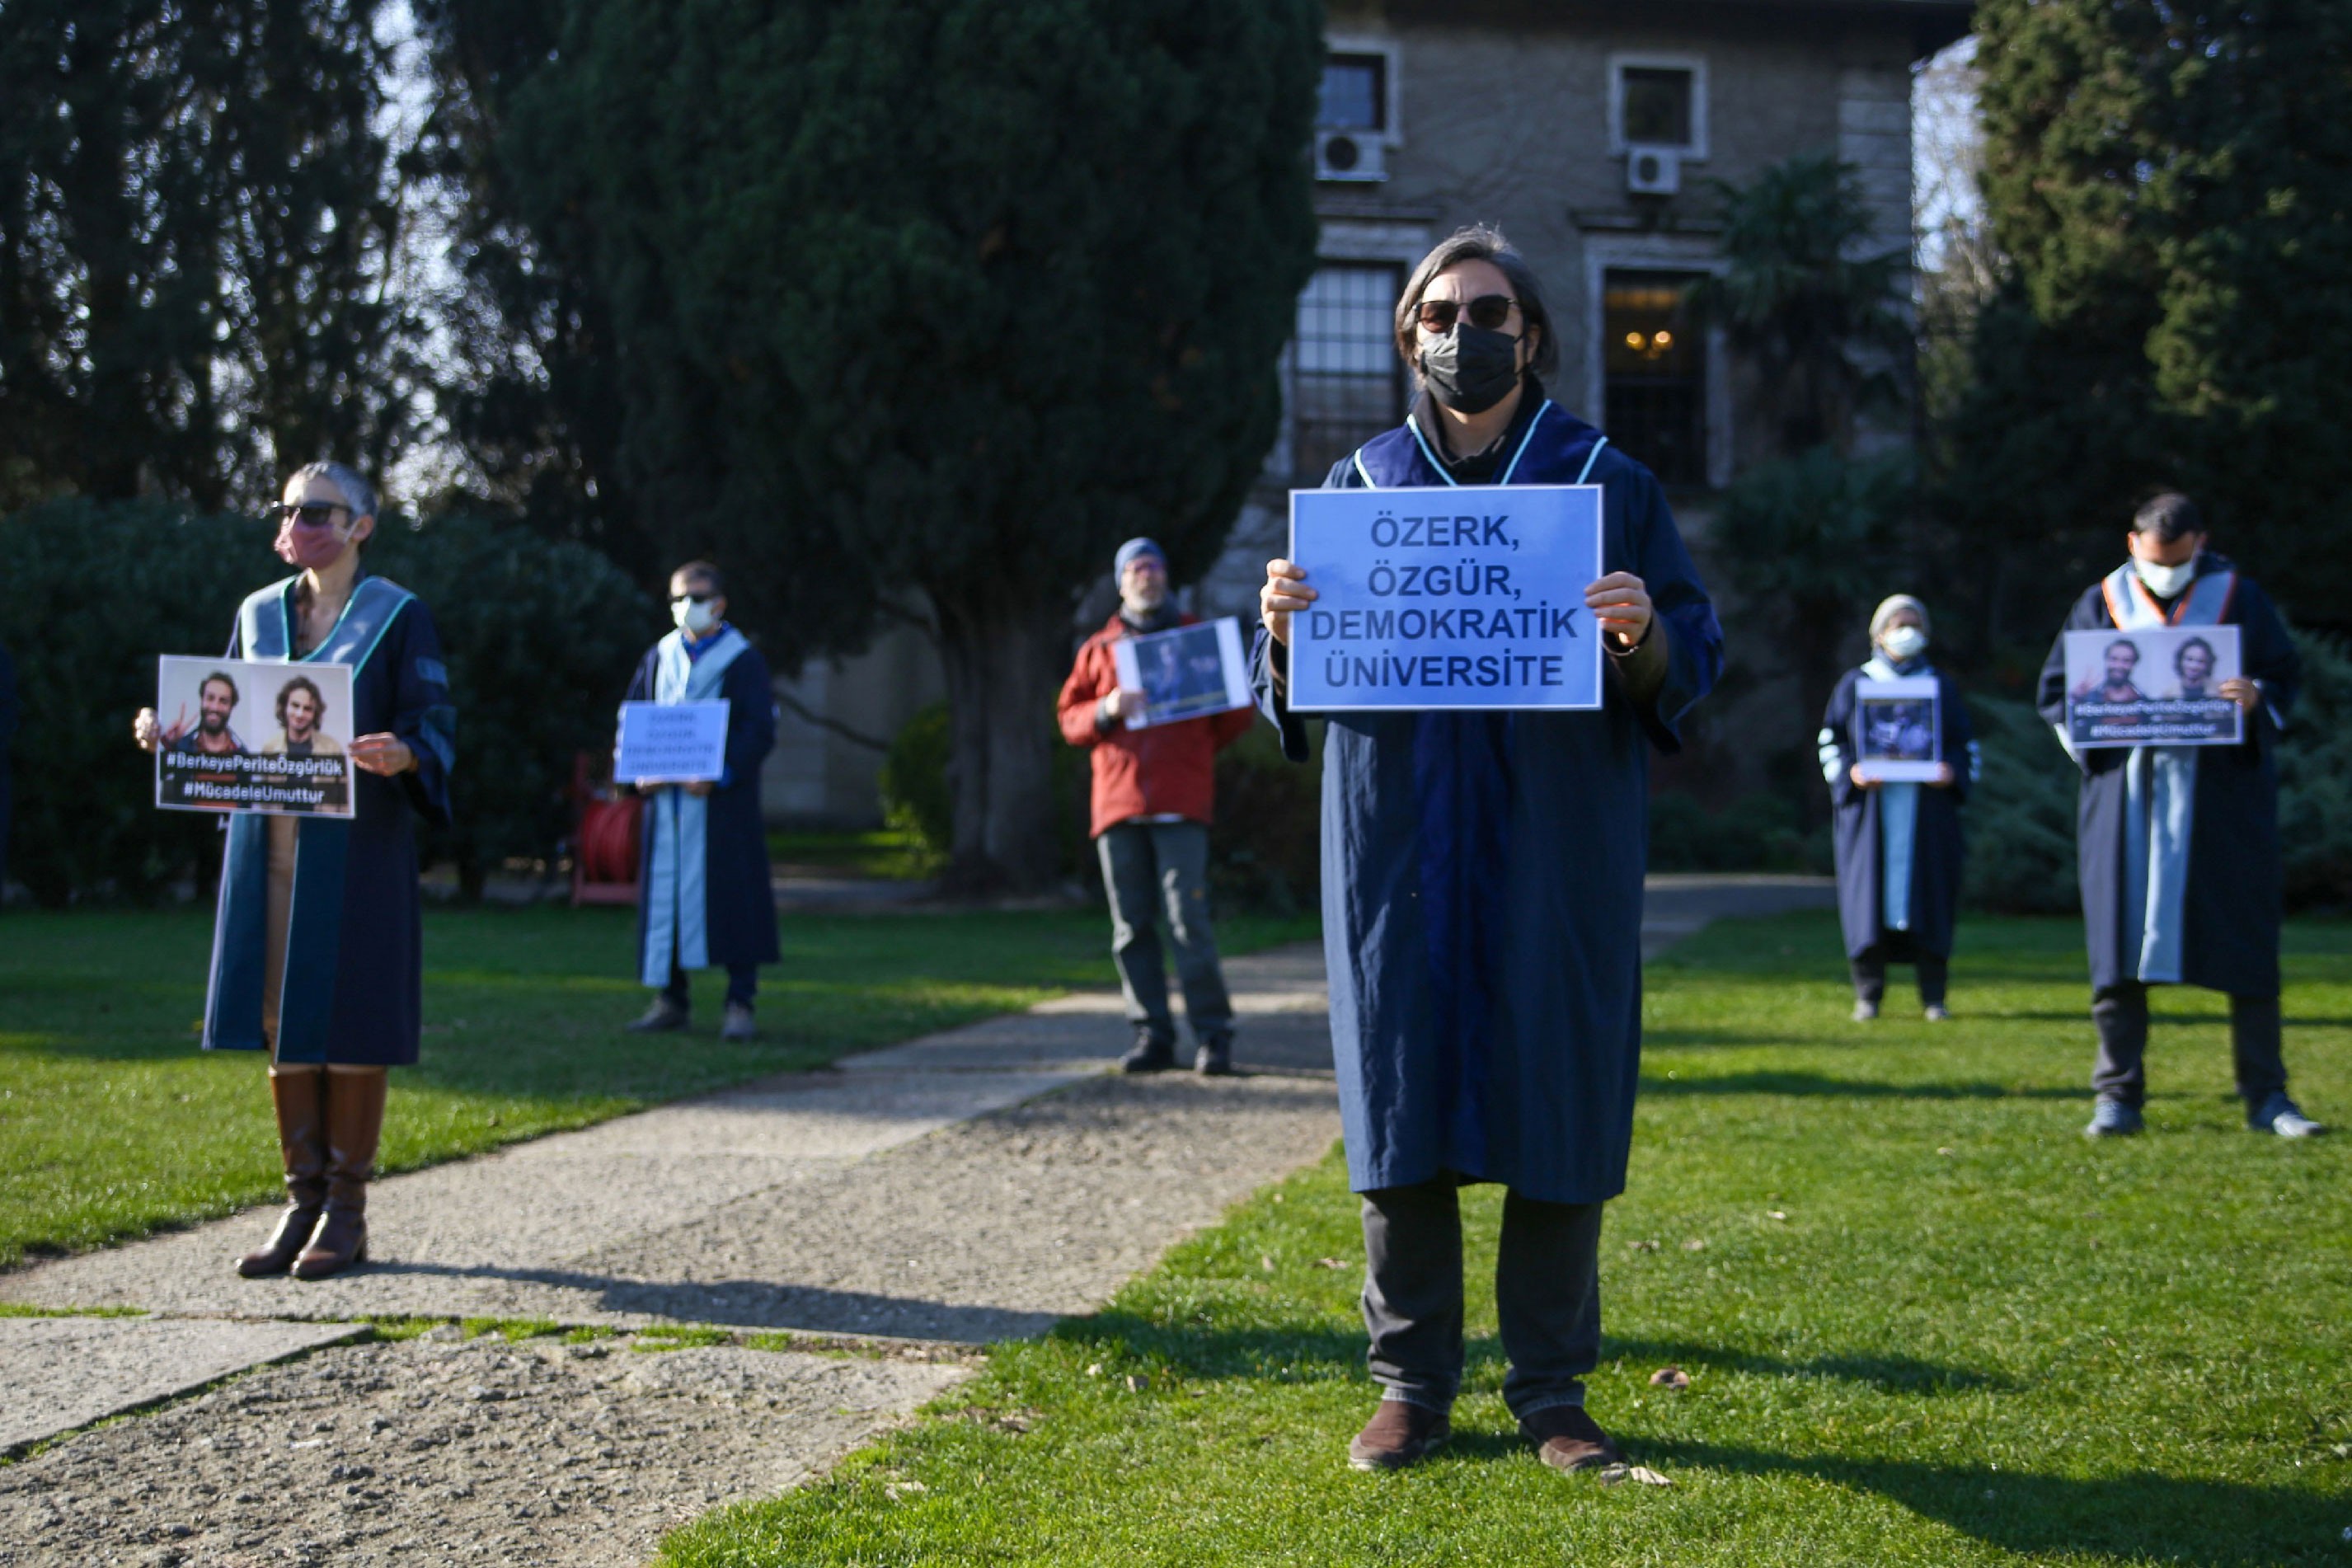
[1216,1057]
[661,1018]
[1151,1054]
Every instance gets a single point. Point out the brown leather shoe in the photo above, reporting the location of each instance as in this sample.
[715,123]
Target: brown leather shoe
[354,1124]
[302,1146]
[1566,1438]
[1399,1433]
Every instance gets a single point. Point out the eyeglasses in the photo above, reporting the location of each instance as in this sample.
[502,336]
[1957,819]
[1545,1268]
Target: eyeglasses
[310,514]
[1487,313]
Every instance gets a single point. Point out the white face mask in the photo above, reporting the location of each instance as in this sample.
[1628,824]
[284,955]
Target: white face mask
[1904,643]
[2165,581]
[696,615]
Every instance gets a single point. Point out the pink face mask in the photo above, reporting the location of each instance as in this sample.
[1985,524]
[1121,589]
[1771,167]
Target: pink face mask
[310,545]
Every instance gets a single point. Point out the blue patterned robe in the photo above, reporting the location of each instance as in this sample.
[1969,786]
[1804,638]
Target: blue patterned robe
[1482,875]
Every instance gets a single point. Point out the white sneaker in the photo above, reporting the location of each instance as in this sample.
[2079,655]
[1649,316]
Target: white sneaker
[1863,1011]
[2280,1115]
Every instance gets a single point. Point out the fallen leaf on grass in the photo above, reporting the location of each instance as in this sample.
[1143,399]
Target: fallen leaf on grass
[1330,1263]
[895,1489]
[1670,1377]
[1695,1244]
[1774,1214]
[1136,1383]
[1642,1473]
[1095,1370]
[1642,1245]
[1265,1262]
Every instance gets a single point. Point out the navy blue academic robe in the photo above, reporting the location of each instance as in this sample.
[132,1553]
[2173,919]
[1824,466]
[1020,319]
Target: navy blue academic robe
[734,921]
[1482,875]
[1861,828]
[354,973]
[2230,913]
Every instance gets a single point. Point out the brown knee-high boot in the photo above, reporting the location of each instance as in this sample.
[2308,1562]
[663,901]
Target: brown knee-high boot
[302,1145]
[354,1122]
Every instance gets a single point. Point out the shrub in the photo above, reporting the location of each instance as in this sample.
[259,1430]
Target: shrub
[2021,817]
[1759,832]
[2316,779]
[539,638]
[1265,851]
[918,798]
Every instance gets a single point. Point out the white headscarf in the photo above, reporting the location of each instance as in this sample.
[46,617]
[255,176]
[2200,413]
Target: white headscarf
[1886,611]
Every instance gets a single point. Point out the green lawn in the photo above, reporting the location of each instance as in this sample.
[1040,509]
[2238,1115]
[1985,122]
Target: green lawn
[1924,1321]
[112,1122]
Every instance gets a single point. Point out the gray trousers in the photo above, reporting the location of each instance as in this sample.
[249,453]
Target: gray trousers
[1157,871]
[2120,1013]
[1547,1292]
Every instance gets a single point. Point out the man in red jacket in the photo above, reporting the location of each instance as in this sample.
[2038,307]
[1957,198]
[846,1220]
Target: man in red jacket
[1154,789]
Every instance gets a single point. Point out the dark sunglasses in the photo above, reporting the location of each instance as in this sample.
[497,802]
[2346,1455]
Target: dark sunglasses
[310,514]
[1487,313]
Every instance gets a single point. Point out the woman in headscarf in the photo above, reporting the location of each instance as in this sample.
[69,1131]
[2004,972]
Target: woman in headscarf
[334,997]
[1898,842]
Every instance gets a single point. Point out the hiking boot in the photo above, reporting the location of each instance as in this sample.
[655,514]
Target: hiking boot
[1216,1057]
[739,1026]
[1399,1433]
[663,1017]
[2114,1118]
[1566,1438]
[1151,1053]
[2280,1115]
[1865,1012]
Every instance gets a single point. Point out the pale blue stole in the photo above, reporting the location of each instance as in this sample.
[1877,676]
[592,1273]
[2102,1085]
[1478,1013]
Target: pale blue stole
[1898,825]
[2159,790]
[677,864]
[306,998]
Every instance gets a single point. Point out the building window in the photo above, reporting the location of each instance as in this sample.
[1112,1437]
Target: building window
[1348,384]
[1355,93]
[1654,362]
[1657,102]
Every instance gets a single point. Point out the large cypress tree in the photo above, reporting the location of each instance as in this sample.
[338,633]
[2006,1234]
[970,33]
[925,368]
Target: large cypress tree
[2172,189]
[945,296]
[195,227]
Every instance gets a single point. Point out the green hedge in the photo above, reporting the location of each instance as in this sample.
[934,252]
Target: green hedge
[540,640]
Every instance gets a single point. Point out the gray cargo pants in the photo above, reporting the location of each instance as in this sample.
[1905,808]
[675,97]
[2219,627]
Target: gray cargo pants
[1155,871]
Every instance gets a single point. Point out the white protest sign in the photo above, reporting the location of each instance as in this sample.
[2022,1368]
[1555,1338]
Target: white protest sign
[671,742]
[1465,597]
[2152,686]
[253,735]
[1188,673]
[1898,732]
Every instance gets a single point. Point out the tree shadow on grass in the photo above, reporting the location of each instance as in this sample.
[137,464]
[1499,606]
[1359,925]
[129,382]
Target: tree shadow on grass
[2142,1516]
[1816,1084]
[1892,1374]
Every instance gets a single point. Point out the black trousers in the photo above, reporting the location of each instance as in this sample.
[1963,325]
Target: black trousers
[2120,1013]
[1896,947]
[1547,1292]
[742,984]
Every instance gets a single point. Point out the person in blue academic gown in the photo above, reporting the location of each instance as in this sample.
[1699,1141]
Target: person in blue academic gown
[2177,845]
[1481,891]
[1898,842]
[704,894]
[334,996]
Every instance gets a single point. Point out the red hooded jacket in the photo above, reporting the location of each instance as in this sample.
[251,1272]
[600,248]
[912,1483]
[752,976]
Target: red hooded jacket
[1160,770]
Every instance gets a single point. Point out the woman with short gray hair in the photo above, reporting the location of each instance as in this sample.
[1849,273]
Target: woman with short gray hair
[334,998]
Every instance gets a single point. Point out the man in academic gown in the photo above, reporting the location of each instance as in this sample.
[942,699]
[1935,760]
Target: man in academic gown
[1482,892]
[318,944]
[2179,845]
[1898,842]
[705,898]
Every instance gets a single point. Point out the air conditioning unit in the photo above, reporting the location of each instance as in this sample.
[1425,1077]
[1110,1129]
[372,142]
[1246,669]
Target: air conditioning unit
[1349,155]
[1654,171]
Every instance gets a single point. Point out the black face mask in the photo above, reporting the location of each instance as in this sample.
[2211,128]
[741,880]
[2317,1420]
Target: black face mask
[1470,369]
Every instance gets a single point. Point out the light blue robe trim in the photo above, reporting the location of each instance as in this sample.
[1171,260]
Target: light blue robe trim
[1898,825]
[306,996]
[1423,442]
[2160,792]
[677,894]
